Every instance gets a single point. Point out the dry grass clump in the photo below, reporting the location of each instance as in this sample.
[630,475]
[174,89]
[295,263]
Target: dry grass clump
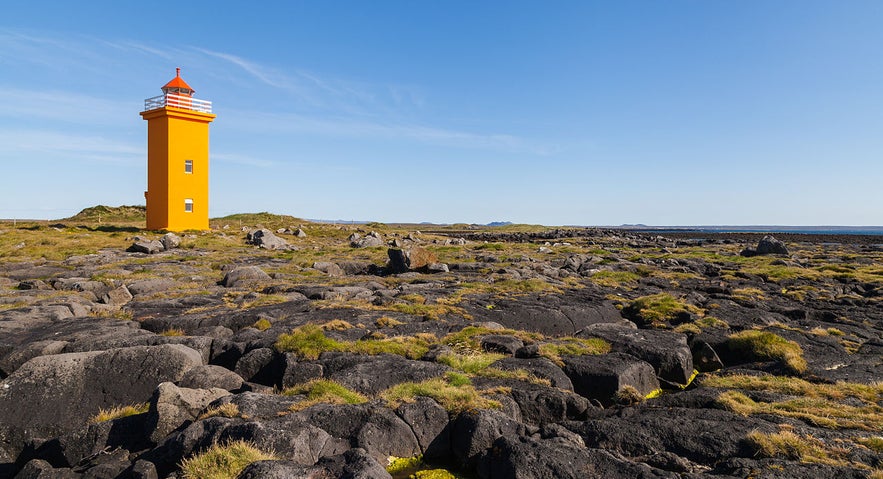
[516,374]
[309,341]
[119,412]
[869,393]
[223,461]
[172,332]
[764,345]
[224,410]
[387,322]
[873,443]
[323,391]
[262,324]
[615,279]
[336,325]
[469,338]
[573,347]
[813,410]
[454,392]
[658,309]
[472,363]
[789,445]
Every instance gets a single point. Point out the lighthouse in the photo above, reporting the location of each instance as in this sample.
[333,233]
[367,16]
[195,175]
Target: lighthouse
[177,158]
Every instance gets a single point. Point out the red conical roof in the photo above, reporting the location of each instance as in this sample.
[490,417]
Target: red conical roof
[177,82]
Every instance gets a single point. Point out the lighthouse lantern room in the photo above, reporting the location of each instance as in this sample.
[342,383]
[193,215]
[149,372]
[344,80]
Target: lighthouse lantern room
[177,158]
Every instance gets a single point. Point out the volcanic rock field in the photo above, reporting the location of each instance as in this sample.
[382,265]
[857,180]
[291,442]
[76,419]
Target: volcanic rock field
[272,347]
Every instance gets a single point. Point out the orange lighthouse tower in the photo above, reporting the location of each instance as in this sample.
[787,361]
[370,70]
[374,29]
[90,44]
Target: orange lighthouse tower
[177,158]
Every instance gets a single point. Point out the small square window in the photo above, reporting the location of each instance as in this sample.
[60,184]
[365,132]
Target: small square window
[188,166]
[188,205]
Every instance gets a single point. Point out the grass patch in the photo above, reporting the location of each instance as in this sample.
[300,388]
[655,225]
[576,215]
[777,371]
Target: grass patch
[336,325]
[223,461]
[816,411]
[573,347]
[387,322]
[657,309]
[470,363]
[119,412]
[224,410]
[516,374]
[797,448]
[309,341]
[869,393]
[615,279]
[261,324]
[468,338]
[873,443]
[453,392]
[748,294]
[764,345]
[323,391]
[172,332]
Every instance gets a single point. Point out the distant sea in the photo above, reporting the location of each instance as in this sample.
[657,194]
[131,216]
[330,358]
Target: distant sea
[811,230]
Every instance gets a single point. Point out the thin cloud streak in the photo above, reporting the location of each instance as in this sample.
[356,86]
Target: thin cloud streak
[243,160]
[23,143]
[343,127]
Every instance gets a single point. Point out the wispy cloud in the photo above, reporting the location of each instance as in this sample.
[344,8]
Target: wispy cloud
[26,143]
[62,106]
[244,160]
[293,101]
[290,123]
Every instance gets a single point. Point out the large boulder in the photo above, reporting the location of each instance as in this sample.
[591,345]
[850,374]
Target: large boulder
[515,457]
[171,406]
[539,367]
[398,261]
[474,432]
[767,245]
[170,241]
[50,395]
[605,376]
[146,246]
[371,240]
[360,372]
[666,351]
[370,426]
[420,258]
[244,276]
[211,376]
[265,238]
[703,435]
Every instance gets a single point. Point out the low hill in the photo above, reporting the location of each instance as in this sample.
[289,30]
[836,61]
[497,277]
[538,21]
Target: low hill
[111,214]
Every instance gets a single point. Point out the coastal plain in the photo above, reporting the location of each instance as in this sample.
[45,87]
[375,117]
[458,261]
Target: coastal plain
[278,347]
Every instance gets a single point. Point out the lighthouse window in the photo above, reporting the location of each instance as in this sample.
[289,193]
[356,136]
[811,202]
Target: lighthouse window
[188,205]
[188,166]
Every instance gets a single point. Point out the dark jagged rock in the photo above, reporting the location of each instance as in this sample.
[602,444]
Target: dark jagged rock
[529,458]
[666,351]
[501,343]
[244,275]
[146,247]
[52,395]
[474,432]
[360,372]
[604,376]
[700,435]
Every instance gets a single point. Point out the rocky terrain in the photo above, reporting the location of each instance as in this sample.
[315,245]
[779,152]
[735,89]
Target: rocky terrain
[276,348]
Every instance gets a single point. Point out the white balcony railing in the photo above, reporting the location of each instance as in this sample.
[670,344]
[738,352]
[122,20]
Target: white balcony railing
[178,101]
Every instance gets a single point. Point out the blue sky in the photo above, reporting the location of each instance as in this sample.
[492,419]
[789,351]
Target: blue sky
[595,113]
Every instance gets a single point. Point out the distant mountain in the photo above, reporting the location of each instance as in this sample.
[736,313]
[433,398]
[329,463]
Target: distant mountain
[499,223]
